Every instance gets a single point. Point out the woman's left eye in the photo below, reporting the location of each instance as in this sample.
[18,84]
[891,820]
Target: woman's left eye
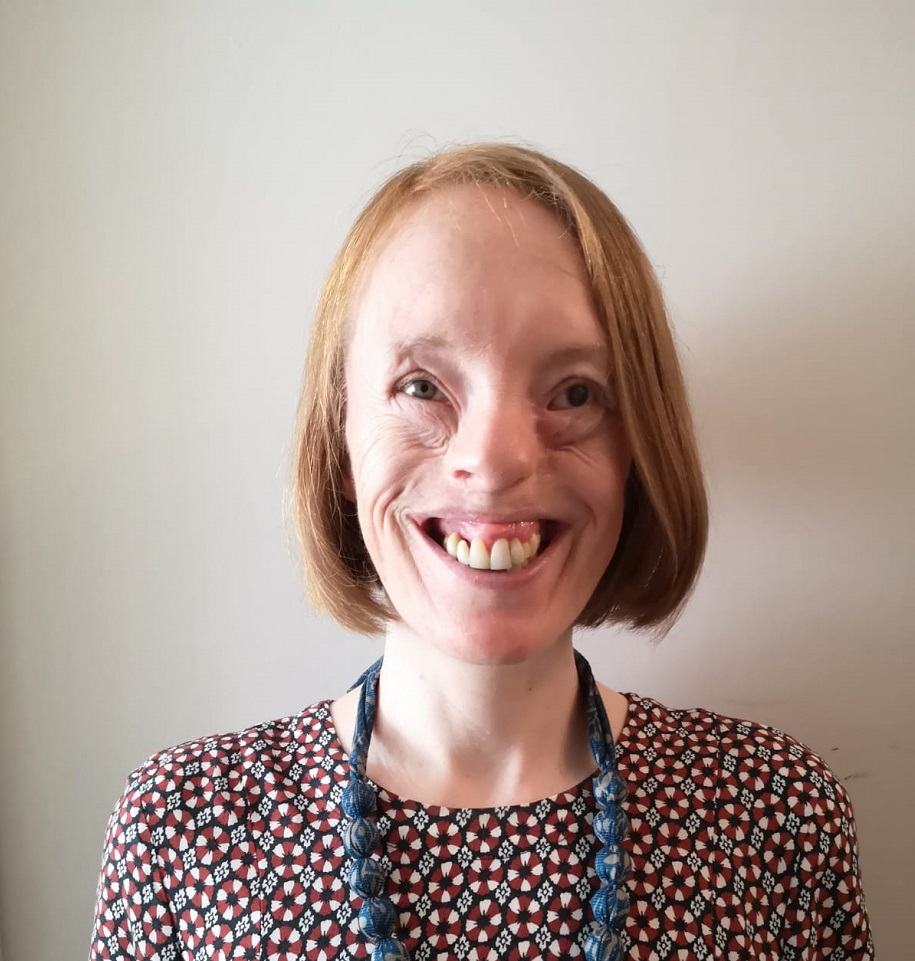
[575,395]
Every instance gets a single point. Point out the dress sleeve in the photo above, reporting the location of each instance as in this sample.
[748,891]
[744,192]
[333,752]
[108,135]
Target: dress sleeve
[133,918]
[836,925]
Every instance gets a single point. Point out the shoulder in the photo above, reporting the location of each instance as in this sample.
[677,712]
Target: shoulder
[750,766]
[229,770]
[771,810]
[740,745]
[756,787]
[210,811]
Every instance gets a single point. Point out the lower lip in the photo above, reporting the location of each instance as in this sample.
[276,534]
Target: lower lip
[494,580]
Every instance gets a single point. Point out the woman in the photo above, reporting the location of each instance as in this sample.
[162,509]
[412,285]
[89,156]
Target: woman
[494,448]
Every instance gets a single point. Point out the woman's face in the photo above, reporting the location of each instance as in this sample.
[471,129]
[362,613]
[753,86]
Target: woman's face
[479,421]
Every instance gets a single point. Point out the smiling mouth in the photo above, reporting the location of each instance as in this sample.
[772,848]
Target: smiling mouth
[491,546]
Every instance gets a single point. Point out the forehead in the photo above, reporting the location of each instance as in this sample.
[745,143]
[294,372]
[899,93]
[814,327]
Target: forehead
[460,225]
[477,253]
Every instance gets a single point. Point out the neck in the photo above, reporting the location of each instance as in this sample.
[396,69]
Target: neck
[477,735]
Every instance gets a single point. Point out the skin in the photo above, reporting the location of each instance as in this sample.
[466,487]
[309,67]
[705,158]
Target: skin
[477,393]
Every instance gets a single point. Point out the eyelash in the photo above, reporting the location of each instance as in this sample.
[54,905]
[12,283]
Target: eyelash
[413,381]
[593,394]
[596,393]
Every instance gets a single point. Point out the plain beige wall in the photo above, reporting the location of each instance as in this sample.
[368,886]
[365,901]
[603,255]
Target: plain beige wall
[174,177]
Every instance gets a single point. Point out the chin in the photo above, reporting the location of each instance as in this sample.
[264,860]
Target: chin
[497,642]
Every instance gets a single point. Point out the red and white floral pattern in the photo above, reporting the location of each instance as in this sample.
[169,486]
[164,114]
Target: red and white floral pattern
[742,845]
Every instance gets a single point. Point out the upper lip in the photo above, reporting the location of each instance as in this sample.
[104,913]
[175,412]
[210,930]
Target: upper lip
[438,525]
[483,517]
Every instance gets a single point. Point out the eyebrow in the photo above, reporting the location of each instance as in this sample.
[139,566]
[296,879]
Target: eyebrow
[423,342]
[594,353]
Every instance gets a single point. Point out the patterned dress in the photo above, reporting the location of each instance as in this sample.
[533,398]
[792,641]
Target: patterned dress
[742,845]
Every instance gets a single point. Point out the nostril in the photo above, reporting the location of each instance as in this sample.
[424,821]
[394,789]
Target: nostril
[494,449]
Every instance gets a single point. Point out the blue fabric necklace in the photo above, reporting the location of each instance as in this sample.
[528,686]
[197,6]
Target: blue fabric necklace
[362,839]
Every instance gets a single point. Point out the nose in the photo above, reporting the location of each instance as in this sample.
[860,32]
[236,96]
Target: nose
[497,445]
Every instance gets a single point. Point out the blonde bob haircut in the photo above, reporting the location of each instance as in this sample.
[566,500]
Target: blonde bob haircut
[665,517]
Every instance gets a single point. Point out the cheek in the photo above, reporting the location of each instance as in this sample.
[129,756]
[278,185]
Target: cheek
[394,436]
[388,456]
[598,472]
[572,427]
[375,457]
[376,481]
[615,453]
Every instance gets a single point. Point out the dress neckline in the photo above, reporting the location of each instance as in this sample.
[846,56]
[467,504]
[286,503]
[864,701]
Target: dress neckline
[561,798]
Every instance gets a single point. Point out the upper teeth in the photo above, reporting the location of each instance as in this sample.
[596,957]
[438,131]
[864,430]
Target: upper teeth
[504,556]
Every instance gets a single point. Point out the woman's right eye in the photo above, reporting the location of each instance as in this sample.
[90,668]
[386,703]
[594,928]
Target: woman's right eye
[422,389]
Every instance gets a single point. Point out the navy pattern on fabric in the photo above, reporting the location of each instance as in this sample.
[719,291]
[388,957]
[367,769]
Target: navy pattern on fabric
[742,845]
